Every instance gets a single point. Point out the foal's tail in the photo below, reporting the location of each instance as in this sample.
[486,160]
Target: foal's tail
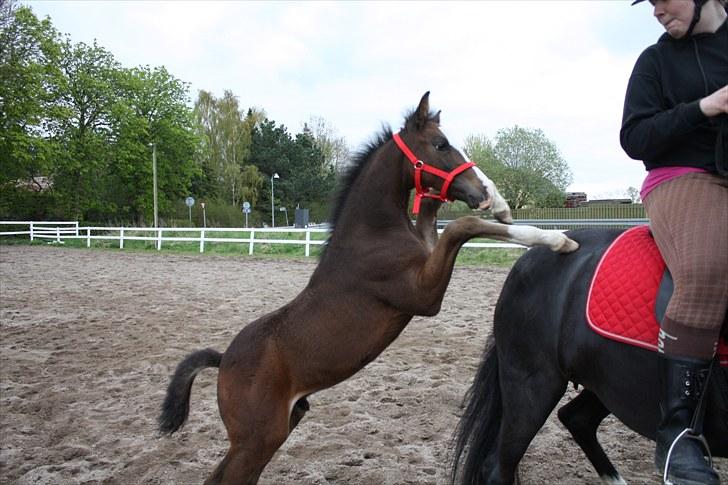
[176,404]
[478,428]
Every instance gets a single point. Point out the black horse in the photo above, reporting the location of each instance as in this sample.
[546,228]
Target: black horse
[541,341]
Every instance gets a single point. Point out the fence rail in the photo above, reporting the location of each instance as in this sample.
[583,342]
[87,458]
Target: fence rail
[59,231]
[589,211]
[568,224]
[41,229]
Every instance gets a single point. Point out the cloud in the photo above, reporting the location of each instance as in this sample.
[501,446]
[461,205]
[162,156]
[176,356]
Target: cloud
[561,66]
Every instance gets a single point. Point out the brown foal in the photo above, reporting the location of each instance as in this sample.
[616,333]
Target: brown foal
[377,271]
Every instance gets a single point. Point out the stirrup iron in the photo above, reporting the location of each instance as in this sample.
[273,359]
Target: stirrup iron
[688,434]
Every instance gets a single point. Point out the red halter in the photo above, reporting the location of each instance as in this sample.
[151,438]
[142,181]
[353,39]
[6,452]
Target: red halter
[420,167]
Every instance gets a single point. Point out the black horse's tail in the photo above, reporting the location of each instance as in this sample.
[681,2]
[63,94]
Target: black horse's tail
[176,404]
[477,430]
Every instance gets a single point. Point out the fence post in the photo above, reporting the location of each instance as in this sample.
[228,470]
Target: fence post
[58,234]
[202,240]
[252,237]
[159,240]
[88,237]
[31,230]
[308,241]
[121,238]
[76,225]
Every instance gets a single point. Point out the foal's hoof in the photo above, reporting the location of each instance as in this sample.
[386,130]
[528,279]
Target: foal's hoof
[567,245]
[504,216]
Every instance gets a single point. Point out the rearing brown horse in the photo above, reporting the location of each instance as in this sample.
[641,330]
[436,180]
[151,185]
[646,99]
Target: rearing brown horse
[377,271]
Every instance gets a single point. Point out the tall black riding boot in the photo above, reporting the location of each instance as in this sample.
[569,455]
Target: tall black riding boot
[682,382]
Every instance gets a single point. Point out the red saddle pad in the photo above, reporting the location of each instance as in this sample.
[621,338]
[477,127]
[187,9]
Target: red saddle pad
[622,295]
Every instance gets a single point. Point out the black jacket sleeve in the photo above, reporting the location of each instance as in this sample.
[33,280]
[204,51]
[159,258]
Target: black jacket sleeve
[649,127]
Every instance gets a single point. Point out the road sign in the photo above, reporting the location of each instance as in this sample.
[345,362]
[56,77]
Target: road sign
[189,201]
[246,207]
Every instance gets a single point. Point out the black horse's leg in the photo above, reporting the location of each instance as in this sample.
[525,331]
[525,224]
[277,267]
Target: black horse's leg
[531,393]
[582,416]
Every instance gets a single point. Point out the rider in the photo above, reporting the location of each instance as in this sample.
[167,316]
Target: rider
[676,121]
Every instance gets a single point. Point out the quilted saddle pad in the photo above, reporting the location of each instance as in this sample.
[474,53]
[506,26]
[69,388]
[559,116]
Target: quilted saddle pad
[623,292]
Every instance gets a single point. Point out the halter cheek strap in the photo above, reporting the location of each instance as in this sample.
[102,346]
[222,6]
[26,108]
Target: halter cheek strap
[420,167]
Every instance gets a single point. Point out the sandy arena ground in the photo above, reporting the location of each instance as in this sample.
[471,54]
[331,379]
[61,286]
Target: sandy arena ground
[88,339]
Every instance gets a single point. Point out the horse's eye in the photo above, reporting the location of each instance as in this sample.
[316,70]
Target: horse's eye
[440,144]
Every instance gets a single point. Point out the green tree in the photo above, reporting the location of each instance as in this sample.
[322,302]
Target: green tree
[525,165]
[227,139]
[333,147]
[70,114]
[152,110]
[251,183]
[313,176]
[81,125]
[480,150]
[305,179]
[29,54]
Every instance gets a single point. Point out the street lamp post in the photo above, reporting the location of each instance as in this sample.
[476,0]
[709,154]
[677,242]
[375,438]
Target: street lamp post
[154,182]
[272,201]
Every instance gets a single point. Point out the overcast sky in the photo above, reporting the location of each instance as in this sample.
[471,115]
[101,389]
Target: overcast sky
[558,65]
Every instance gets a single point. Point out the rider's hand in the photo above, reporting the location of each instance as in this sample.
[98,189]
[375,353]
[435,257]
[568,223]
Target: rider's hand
[716,103]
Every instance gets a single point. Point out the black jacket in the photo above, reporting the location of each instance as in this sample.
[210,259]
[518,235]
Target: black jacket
[662,124]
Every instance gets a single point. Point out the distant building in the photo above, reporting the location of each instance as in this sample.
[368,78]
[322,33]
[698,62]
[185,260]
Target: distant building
[35,184]
[574,199]
[607,202]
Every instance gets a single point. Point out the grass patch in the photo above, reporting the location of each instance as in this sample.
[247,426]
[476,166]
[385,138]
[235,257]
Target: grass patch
[466,257]
[503,257]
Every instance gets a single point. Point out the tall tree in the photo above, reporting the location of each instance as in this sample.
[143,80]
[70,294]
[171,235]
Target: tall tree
[634,194]
[227,139]
[305,179]
[71,114]
[313,176]
[82,126]
[333,147]
[29,54]
[251,183]
[527,167]
[480,149]
[152,112]
[522,148]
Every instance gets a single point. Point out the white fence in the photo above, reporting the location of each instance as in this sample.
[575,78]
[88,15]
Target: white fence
[61,231]
[42,229]
[58,231]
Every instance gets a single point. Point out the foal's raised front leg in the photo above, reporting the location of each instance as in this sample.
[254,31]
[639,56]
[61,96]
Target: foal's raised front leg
[461,230]
[531,236]
[426,223]
[499,207]
[434,276]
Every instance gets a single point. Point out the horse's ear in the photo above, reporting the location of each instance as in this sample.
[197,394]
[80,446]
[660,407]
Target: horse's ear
[436,118]
[423,111]
[417,119]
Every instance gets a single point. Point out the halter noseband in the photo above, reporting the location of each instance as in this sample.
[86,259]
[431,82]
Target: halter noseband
[420,167]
